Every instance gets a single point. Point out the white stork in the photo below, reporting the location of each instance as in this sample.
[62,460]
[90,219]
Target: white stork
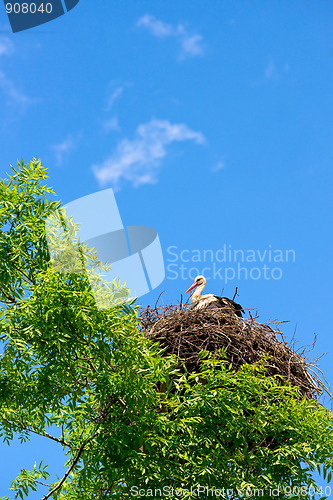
[199,301]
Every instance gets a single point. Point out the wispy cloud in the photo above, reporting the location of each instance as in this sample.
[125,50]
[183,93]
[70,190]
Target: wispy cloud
[114,92]
[63,150]
[15,97]
[113,96]
[220,165]
[6,46]
[156,27]
[137,160]
[110,125]
[191,44]
[272,73]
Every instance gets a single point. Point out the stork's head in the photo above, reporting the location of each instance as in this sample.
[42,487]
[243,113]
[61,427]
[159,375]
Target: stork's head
[199,280]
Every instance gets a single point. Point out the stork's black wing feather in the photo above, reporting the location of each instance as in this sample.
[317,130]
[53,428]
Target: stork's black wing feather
[228,303]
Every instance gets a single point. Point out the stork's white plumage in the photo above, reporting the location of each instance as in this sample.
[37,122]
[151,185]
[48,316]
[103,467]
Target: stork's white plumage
[209,300]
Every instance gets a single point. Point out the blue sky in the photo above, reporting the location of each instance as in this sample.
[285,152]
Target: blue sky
[213,124]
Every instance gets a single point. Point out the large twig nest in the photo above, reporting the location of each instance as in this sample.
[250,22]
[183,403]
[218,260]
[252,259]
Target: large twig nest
[185,332]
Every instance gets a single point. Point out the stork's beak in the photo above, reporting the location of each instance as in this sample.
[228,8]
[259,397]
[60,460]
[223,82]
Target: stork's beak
[191,287]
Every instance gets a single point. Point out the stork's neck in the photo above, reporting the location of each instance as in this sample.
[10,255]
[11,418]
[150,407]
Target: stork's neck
[196,294]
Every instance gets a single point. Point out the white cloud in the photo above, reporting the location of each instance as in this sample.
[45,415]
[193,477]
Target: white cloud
[137,160]
[272,73]
[15,96]
[156,27]
[6,46]
[63,150]
[116,93]
[219,166]
[111,124]
[191,44]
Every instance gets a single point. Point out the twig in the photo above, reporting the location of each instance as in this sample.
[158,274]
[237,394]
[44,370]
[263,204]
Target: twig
[61,482]
[69,470]
[46,434]
[43,484]
[158,298]
[9,297]
[31,281]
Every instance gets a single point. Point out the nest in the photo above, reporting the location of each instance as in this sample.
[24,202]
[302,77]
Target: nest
[184,332]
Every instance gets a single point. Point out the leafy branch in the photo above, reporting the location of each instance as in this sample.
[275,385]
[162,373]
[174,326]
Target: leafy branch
[71,467]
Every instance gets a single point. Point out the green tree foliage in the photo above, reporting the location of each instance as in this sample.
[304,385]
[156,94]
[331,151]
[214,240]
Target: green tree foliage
[125,416]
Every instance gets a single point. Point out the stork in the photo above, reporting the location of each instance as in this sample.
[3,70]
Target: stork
[199,301]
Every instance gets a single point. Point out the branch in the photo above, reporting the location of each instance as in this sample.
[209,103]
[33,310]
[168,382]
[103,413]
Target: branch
[158,298]
[46,434]
[31,281]
[92,366]
[61,482]
[69,470]
[9,297]
[43,484]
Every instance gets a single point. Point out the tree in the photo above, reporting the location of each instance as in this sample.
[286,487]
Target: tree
[92,375]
